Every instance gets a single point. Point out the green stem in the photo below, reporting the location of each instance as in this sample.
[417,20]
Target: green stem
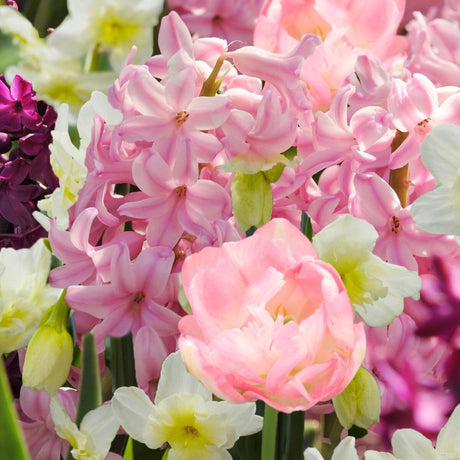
[269,433]
[294,448]
[12,441]
[91,59]
[331,431]
[42,17]
[122,362]
[90,382]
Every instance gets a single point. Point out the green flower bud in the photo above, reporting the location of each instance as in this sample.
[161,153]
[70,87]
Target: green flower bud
[274,173]
[50,351]
[359,403]
[252,200]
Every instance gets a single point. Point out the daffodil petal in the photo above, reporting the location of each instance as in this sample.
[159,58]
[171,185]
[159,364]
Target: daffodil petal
[133,408]
[175,379]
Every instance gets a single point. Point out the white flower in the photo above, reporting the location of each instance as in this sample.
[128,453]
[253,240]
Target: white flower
[68,162]
[112,26]
[97,430]
[24,293]
[438,211]
[376,288]
[24,34]
[409,444]
[56,77]
[344,451]
[184,415]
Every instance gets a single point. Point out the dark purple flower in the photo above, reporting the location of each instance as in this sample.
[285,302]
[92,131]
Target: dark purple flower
[438,311]
[452,374]
[5,143]
[18,105]
[11,363]
[16,195]
[26,175]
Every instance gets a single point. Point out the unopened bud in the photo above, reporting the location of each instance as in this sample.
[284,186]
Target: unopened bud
[252,200]
[359,403]
[50,352]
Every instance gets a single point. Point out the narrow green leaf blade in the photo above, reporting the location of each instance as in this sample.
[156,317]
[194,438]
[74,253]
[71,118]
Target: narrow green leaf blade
[11,439]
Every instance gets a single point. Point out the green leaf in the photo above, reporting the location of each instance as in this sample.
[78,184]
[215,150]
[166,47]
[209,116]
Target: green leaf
[122,362]
[357,432]
[290,435]
[90,382]
[129,455]
[9,52]
[12,441]
[305,225]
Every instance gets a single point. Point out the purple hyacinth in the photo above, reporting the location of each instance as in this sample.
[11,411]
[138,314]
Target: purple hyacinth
[26,175]
[438,312]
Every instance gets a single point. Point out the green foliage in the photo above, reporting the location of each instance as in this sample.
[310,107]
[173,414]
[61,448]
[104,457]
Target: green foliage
[9,52]
[11,440]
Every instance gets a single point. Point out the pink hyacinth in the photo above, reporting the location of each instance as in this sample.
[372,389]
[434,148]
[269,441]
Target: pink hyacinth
[347,29]
[399,238]
[38,427]
[233,20]
[134,297]
[269,321]
[434,46]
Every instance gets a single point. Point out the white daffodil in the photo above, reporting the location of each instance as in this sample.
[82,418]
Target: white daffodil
[184,416]
[68,161]
[97,429]
[438,211]
[409,444]
[344,451]
[68,164]
[56,77]
[25,295]
[111,26]
[376,288]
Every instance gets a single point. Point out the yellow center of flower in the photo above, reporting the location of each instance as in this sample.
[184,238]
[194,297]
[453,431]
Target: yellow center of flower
[363,289]
[114,31]
[186,426]
[66,92]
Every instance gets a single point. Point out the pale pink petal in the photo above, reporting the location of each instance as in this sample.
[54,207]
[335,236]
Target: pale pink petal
[208,112]
[378,201]
[179,89]
[174,36]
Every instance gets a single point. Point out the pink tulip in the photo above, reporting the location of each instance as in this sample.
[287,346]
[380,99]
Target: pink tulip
[269,321]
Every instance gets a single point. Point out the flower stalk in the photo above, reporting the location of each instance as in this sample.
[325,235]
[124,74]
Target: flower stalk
[269,433]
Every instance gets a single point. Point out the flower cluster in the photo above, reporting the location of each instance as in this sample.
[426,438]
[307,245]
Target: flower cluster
[26,175]
[177,190]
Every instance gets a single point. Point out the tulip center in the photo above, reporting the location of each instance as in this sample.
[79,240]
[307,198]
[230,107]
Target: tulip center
[297,299]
